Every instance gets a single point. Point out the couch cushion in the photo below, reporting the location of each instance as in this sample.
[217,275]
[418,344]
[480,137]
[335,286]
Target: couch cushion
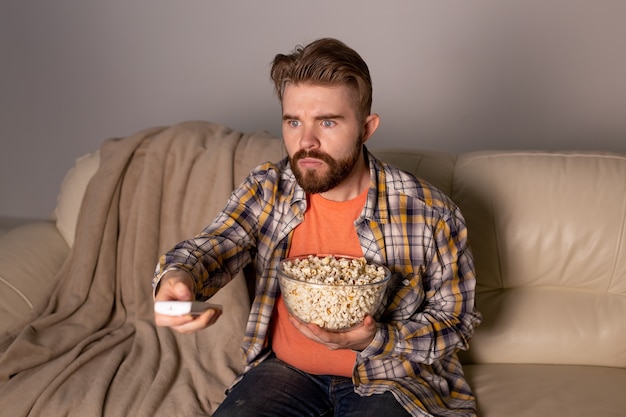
[434,167]
[547,390]
[71,194]
[547,231]
[30,256]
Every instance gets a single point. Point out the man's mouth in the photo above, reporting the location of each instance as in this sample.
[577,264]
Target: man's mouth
[310,163]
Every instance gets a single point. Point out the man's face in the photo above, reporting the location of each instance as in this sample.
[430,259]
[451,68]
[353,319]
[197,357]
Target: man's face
[322,134]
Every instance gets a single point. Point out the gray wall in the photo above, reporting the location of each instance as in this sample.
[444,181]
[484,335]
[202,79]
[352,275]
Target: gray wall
[448,75]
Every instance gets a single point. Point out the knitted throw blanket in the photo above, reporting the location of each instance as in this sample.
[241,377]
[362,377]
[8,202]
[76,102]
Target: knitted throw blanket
[94,349]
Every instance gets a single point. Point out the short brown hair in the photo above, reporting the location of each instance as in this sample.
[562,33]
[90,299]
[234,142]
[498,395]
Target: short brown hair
[325,61]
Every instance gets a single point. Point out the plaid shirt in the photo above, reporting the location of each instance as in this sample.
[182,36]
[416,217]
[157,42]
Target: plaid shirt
[406,224]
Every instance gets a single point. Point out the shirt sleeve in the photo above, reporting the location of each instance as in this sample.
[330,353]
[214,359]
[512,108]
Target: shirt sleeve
[227,244]
[435,311]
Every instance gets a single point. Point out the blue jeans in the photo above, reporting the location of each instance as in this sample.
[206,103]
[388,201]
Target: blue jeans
[275,389]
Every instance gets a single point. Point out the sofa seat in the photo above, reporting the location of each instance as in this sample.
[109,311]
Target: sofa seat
[528,390]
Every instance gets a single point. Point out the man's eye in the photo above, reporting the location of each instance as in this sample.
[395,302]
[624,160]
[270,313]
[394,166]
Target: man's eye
[328,123]
[293,123]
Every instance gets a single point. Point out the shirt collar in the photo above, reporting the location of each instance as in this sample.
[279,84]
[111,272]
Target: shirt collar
[376,206]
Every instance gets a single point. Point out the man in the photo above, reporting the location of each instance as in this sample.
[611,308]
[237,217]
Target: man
[332,196]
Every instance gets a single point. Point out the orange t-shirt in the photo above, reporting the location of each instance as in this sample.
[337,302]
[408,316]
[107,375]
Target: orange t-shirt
[328,228]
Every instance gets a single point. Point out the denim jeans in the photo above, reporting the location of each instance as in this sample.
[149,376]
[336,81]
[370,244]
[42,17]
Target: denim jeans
[275,389]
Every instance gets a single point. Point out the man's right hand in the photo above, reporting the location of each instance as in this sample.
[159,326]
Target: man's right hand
[177,286]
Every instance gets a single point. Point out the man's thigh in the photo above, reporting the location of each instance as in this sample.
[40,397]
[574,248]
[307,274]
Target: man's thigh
[348,403]
[274,389]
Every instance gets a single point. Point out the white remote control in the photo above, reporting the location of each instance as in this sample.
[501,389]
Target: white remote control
[180,308]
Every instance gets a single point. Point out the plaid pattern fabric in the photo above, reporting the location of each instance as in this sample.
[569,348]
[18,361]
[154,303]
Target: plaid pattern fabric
[406,224]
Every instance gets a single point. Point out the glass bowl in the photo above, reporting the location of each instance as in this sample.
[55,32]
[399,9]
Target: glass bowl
[335,292]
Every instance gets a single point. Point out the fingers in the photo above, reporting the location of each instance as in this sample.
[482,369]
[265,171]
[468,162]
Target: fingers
[172,321]
[177,286]
[357,338]
[188,324]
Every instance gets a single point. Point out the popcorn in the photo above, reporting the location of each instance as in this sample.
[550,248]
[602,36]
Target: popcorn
[333,292]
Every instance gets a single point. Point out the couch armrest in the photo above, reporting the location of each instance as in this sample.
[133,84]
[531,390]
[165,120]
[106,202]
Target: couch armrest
[30,256]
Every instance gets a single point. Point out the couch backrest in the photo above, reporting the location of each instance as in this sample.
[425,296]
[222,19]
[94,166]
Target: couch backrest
[548,231]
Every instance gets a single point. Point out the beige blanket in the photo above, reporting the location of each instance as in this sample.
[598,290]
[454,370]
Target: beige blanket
[95,350]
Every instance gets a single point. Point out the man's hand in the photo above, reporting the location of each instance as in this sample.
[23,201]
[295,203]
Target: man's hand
[177,286]
[357,338]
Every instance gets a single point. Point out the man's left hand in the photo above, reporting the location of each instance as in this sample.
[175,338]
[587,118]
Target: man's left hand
[356,338]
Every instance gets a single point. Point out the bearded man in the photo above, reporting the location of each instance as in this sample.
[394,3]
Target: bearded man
[332,196]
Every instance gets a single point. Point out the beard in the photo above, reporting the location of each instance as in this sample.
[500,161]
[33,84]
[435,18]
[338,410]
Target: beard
[314,182]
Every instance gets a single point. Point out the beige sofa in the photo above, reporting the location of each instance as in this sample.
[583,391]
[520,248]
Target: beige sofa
[548,231]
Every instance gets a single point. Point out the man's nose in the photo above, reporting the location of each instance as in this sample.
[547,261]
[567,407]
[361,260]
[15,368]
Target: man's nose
[309,138]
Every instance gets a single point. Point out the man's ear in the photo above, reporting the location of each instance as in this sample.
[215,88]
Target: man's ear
[369,127]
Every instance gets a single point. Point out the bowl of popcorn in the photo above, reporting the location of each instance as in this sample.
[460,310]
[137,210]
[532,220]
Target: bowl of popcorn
[335,292]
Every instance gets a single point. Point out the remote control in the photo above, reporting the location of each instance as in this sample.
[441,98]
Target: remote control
[180,308]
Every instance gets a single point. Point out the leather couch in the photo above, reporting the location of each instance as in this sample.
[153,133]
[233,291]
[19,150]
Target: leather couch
[548,232]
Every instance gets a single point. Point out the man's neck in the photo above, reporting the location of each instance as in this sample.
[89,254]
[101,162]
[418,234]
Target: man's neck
[353,185]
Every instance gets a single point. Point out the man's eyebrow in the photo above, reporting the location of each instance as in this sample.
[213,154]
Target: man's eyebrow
[329,116]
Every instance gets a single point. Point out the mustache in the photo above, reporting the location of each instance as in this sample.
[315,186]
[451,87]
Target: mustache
[313,153]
